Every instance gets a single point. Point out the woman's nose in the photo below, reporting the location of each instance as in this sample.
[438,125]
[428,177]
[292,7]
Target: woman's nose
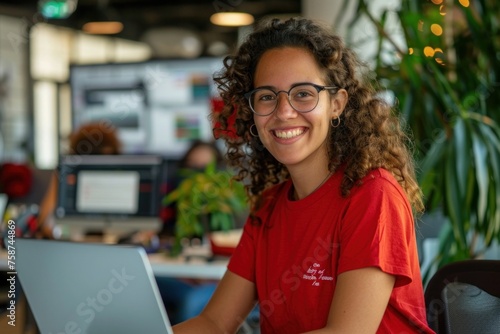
[284,108]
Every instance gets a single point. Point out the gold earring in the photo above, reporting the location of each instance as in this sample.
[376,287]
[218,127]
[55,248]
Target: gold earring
[333,124]
[253,126]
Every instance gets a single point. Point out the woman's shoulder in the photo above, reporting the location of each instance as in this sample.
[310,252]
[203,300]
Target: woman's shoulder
[377,187]
[379,179]
[380,175]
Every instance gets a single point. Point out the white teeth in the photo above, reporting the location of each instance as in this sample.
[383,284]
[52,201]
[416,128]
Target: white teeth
[289,134]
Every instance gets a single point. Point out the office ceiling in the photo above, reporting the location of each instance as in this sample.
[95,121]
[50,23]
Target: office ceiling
[141,16]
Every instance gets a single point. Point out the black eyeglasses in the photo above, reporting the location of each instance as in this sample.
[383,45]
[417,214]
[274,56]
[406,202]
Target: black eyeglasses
[302,97]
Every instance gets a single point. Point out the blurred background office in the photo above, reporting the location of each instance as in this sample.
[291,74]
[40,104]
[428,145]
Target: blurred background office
[56,72]
[146,69]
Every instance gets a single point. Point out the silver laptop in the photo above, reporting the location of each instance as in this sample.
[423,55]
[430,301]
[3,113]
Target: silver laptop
[90,288]
[3,206]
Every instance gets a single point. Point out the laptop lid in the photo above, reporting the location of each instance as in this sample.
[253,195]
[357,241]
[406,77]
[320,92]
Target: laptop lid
[90,288]
[3,206]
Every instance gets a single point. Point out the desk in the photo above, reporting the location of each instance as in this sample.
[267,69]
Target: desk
[165,266]
[195,268]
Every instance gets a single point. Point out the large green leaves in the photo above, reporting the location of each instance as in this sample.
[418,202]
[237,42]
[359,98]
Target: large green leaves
[449,95]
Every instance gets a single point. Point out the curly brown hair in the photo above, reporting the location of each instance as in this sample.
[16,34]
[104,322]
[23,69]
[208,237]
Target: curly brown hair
[370,135]
[94,138]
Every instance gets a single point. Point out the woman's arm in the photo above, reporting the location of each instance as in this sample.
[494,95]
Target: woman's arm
[228,308]
[359,302]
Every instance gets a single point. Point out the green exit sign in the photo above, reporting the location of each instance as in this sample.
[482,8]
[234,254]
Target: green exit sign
[57,9]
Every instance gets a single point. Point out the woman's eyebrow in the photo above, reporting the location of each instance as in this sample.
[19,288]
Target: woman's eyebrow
[273,88]
[266,87]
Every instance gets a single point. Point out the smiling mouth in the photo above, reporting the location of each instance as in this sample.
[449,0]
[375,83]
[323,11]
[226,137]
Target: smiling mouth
[289,133]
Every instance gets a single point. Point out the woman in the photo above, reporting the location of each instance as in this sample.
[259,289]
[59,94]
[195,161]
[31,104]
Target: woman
[329,246]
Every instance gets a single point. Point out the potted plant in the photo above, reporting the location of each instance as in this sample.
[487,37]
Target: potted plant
[445,81]
[206,201]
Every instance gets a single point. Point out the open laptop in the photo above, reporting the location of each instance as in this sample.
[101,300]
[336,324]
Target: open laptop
[3,206]
[90,288]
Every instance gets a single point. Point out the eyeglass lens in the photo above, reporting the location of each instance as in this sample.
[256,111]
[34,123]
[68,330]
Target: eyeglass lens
[303,98]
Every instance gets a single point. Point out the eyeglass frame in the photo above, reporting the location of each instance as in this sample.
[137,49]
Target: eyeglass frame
[319,89]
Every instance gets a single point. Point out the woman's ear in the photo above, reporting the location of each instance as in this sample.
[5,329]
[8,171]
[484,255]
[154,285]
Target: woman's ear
[339,101]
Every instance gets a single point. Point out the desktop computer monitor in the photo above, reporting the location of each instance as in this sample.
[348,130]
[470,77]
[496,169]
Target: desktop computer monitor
[109,194]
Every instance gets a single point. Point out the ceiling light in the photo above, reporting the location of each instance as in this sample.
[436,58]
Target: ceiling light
[103,22]
[231,19]
[103,27]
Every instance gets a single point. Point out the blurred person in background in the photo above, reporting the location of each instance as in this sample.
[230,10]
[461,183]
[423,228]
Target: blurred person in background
[97,138]
[196,158]
[186,298]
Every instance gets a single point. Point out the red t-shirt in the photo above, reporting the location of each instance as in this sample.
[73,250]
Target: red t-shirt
[295,256]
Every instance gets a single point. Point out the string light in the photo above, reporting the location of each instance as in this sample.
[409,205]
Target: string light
[429,51]
[436,29]
[465,3]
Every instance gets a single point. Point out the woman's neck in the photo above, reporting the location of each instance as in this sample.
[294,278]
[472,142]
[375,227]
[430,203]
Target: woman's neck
[306,183]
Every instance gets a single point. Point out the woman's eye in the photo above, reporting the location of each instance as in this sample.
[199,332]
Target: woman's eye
[267,97]
[302,94]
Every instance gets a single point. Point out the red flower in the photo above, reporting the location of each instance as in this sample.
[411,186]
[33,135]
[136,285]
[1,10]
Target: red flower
[217,104]
[15,179]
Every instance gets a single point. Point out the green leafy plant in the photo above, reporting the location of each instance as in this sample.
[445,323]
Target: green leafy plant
[444,76]
[206,201]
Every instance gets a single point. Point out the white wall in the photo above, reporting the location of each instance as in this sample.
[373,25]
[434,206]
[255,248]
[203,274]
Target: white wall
[362,37]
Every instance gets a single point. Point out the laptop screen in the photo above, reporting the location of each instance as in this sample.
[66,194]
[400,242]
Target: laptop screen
[3,206]
[90,288]
[98,192]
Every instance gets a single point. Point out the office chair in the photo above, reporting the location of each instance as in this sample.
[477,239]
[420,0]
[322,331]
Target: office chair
[464,297]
